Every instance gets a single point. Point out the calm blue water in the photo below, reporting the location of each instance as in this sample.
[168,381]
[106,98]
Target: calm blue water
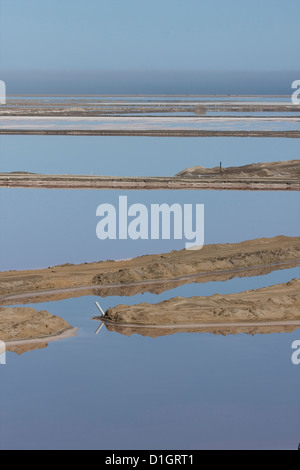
[110,391]
[48,227]
[137,156]
[183,391]
[116,392]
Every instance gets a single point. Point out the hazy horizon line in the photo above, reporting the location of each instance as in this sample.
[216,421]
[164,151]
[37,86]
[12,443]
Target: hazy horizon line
[143,81]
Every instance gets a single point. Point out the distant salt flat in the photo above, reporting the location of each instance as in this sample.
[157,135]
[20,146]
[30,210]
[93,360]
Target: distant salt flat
[152,123]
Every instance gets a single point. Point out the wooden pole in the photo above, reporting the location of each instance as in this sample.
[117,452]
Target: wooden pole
[99,328]
[100,308]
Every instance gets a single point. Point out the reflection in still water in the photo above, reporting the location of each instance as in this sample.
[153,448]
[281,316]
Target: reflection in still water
[25,329]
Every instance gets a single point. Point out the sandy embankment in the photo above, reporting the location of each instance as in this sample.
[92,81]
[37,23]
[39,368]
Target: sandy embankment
[289,134]
[154,273]
[279,303]
[150,183]
[273,176]
[24,329]
[211,259]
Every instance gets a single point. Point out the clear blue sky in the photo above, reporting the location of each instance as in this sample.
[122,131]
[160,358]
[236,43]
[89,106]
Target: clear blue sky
[156,34]
[90,37]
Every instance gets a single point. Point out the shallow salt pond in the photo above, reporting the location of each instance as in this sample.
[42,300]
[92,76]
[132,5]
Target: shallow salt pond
[153,123]
[183,391]
[137,156]
[111,391]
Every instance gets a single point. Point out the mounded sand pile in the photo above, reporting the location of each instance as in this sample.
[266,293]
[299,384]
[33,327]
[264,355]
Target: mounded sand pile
[22,323]
[211,258]
[277,303]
